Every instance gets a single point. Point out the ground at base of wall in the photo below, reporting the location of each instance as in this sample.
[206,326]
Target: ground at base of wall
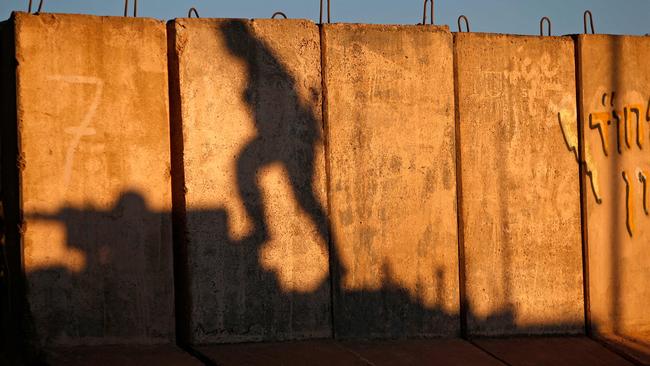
[522,351]
[558,351]
[163,355]
[637,346]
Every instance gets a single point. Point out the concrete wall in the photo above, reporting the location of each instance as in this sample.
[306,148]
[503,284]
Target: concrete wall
[390,135]
[614,100]
[86,170]
[94,179]
[249,130]
[520,184]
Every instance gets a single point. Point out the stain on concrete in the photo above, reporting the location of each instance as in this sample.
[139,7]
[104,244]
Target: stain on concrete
[521,199]
[389,141]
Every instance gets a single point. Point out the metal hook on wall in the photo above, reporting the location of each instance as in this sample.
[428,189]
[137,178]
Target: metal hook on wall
[193,10]
[591,21]
[280,14]
[466,23]
[126,8]
[541,26]
[321,12]
[424,12]
[40,6]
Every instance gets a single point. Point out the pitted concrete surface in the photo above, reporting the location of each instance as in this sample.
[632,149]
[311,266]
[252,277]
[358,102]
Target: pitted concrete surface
[520,190]
[615,104]
[390,136]
[254,190]
[93,134]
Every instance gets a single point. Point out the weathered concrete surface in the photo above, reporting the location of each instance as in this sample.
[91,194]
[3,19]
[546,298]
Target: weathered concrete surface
[615,99]
[390,133]
[249,130]
[520,187]
[560,351]
[120,355]
[93,141]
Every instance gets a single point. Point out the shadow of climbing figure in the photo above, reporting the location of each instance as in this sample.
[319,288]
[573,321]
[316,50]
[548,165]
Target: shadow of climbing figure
[288,132]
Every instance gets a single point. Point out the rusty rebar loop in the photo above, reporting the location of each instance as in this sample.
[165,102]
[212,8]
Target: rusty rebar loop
[541,26]
[126,8]
[193,10]
[321,12]
[466,23]
[40,7]
[279,13]
[424,12]
[591,21]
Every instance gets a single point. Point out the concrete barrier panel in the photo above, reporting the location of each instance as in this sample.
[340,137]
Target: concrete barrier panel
[520,184]
[615,108]
[253,201]
[390,133]
[94,183]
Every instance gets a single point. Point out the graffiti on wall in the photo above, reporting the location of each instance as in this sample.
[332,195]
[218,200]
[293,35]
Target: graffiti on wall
[627,122]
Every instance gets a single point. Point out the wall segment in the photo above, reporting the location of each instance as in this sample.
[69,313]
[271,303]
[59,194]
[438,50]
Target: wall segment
[390,136]
[254,188]
[615,105]
[94,180]
[520,186]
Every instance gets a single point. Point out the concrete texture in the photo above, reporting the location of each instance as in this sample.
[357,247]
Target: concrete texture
[120,355]
[520,184]
[247,131]
[559,351]
[393,353]
[390,135]
[94,182]
[615,109]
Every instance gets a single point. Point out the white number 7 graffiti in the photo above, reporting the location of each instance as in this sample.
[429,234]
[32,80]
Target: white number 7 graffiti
[84,128]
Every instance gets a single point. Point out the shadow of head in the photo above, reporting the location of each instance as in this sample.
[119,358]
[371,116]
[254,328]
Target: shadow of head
[238,37]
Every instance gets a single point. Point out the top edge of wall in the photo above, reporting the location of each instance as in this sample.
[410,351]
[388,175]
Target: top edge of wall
[45,15]
[607,35]
[498,35]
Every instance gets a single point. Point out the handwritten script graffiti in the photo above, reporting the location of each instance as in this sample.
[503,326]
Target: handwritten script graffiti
[626,120]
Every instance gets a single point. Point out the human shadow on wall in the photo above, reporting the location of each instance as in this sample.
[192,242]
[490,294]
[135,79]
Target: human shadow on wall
[289,132]
[233,297]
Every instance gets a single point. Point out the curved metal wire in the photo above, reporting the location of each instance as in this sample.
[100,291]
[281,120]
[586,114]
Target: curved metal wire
[40,6]
[424,12]
[541,26]
[466,23]
[126,8]
[280,14]
[189,13]
[321,12]
[591,21]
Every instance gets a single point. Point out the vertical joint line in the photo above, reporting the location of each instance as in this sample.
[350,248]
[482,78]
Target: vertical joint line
[459,201]
[582,170]
[333,262]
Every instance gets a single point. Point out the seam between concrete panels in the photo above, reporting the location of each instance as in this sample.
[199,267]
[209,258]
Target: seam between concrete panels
[583,197]
[333,262]
[460,232]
